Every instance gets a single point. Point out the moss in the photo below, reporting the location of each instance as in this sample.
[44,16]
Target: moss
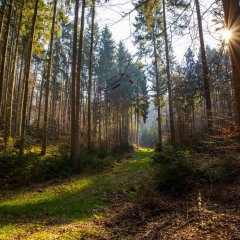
[65,209]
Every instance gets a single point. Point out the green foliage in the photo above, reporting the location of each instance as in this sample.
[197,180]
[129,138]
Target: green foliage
[33,167]
[177,170]
[222,169]
[9,146]
[149,137]
[180,170]
[70,203]
[96,161]
[64,151]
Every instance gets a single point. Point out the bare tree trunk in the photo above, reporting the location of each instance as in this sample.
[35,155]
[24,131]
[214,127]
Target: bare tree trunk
[90,77]
[232,19]
[79,72]
[45,122]
[4,53]
[169,85]
[11,85]
[20,97]
[26,77]
[32,95]
[73,94]
[40,100]
[1,22]
[2,18]
[204,69]
[158,93]
[138,130]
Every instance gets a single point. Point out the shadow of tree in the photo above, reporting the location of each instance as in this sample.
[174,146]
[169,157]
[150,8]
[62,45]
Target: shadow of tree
[62,205]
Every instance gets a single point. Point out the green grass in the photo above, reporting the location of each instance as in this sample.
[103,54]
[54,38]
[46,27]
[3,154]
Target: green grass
[41,212]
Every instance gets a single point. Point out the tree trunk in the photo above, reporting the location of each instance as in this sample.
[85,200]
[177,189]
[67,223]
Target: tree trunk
[26,77]
[11,85]
[45,122]
[205,71]
[73,94]
[4,53]
[90,76]
[79,72]
[2,18]
[32,94]
[232,19]
[20,96]
[169,85]
[40,99]
[158,93]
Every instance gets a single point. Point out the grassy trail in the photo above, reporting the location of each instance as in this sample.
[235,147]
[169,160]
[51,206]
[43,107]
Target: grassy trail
[70,209]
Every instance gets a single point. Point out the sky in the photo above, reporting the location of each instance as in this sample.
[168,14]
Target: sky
[110,14]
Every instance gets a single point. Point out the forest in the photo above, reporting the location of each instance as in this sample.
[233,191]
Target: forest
[120,119]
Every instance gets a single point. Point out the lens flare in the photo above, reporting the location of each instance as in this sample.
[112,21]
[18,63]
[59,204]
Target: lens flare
[226,35]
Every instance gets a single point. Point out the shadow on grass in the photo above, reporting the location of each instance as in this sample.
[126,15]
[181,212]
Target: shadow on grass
[58,206]
[72,200]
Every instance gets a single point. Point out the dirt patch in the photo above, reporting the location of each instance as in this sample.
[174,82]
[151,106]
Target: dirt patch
[167,218]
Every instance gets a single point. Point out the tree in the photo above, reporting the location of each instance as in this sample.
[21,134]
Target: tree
[49,68]
[106,75]
[170,101]
[12,81]
[90,76]
[232,20]
[5,48]
[26,79]
[79,71]
[205,72]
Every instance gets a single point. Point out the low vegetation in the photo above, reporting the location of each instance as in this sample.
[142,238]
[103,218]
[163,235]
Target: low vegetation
[181,170]
[33,167]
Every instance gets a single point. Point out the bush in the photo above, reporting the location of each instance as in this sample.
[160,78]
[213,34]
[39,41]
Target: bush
[94,161]
[33,167]
[177,170]
[64,151]
[52,166]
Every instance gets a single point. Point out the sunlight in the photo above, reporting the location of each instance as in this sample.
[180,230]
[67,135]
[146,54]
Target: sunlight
[226,35]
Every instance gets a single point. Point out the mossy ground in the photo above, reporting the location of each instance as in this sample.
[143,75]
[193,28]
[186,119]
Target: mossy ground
[122,204]
[66,210]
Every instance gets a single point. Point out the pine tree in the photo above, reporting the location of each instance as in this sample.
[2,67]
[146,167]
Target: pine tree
[26,79]
[49,68]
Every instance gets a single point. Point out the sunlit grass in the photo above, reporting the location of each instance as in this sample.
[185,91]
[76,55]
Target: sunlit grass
[44,212]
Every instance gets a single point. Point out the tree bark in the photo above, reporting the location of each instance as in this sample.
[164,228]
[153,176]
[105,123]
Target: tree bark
[79,72]
[40,99]
[232,20]
[205,70]
[45,122]
[32,94]
[158,93]
[2,18]
[169,85]
[73,93]
[4,53]
[11,85]
[90,77]
[26,77]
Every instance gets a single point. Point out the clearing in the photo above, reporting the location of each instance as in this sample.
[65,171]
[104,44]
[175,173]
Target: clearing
[120,203]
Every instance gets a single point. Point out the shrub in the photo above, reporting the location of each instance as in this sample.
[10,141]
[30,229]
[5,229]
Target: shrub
[94,161]
[177,170]
[64,151]
[101,164]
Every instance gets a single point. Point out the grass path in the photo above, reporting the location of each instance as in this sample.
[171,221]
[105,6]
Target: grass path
[69,210]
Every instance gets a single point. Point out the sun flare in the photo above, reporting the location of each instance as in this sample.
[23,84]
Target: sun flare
[226,35]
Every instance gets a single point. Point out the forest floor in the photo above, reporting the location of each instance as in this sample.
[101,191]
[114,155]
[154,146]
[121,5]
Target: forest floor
[120,203]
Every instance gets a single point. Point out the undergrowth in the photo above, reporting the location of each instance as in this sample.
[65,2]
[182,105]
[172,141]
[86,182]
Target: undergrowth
[33,167]
[180,170]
